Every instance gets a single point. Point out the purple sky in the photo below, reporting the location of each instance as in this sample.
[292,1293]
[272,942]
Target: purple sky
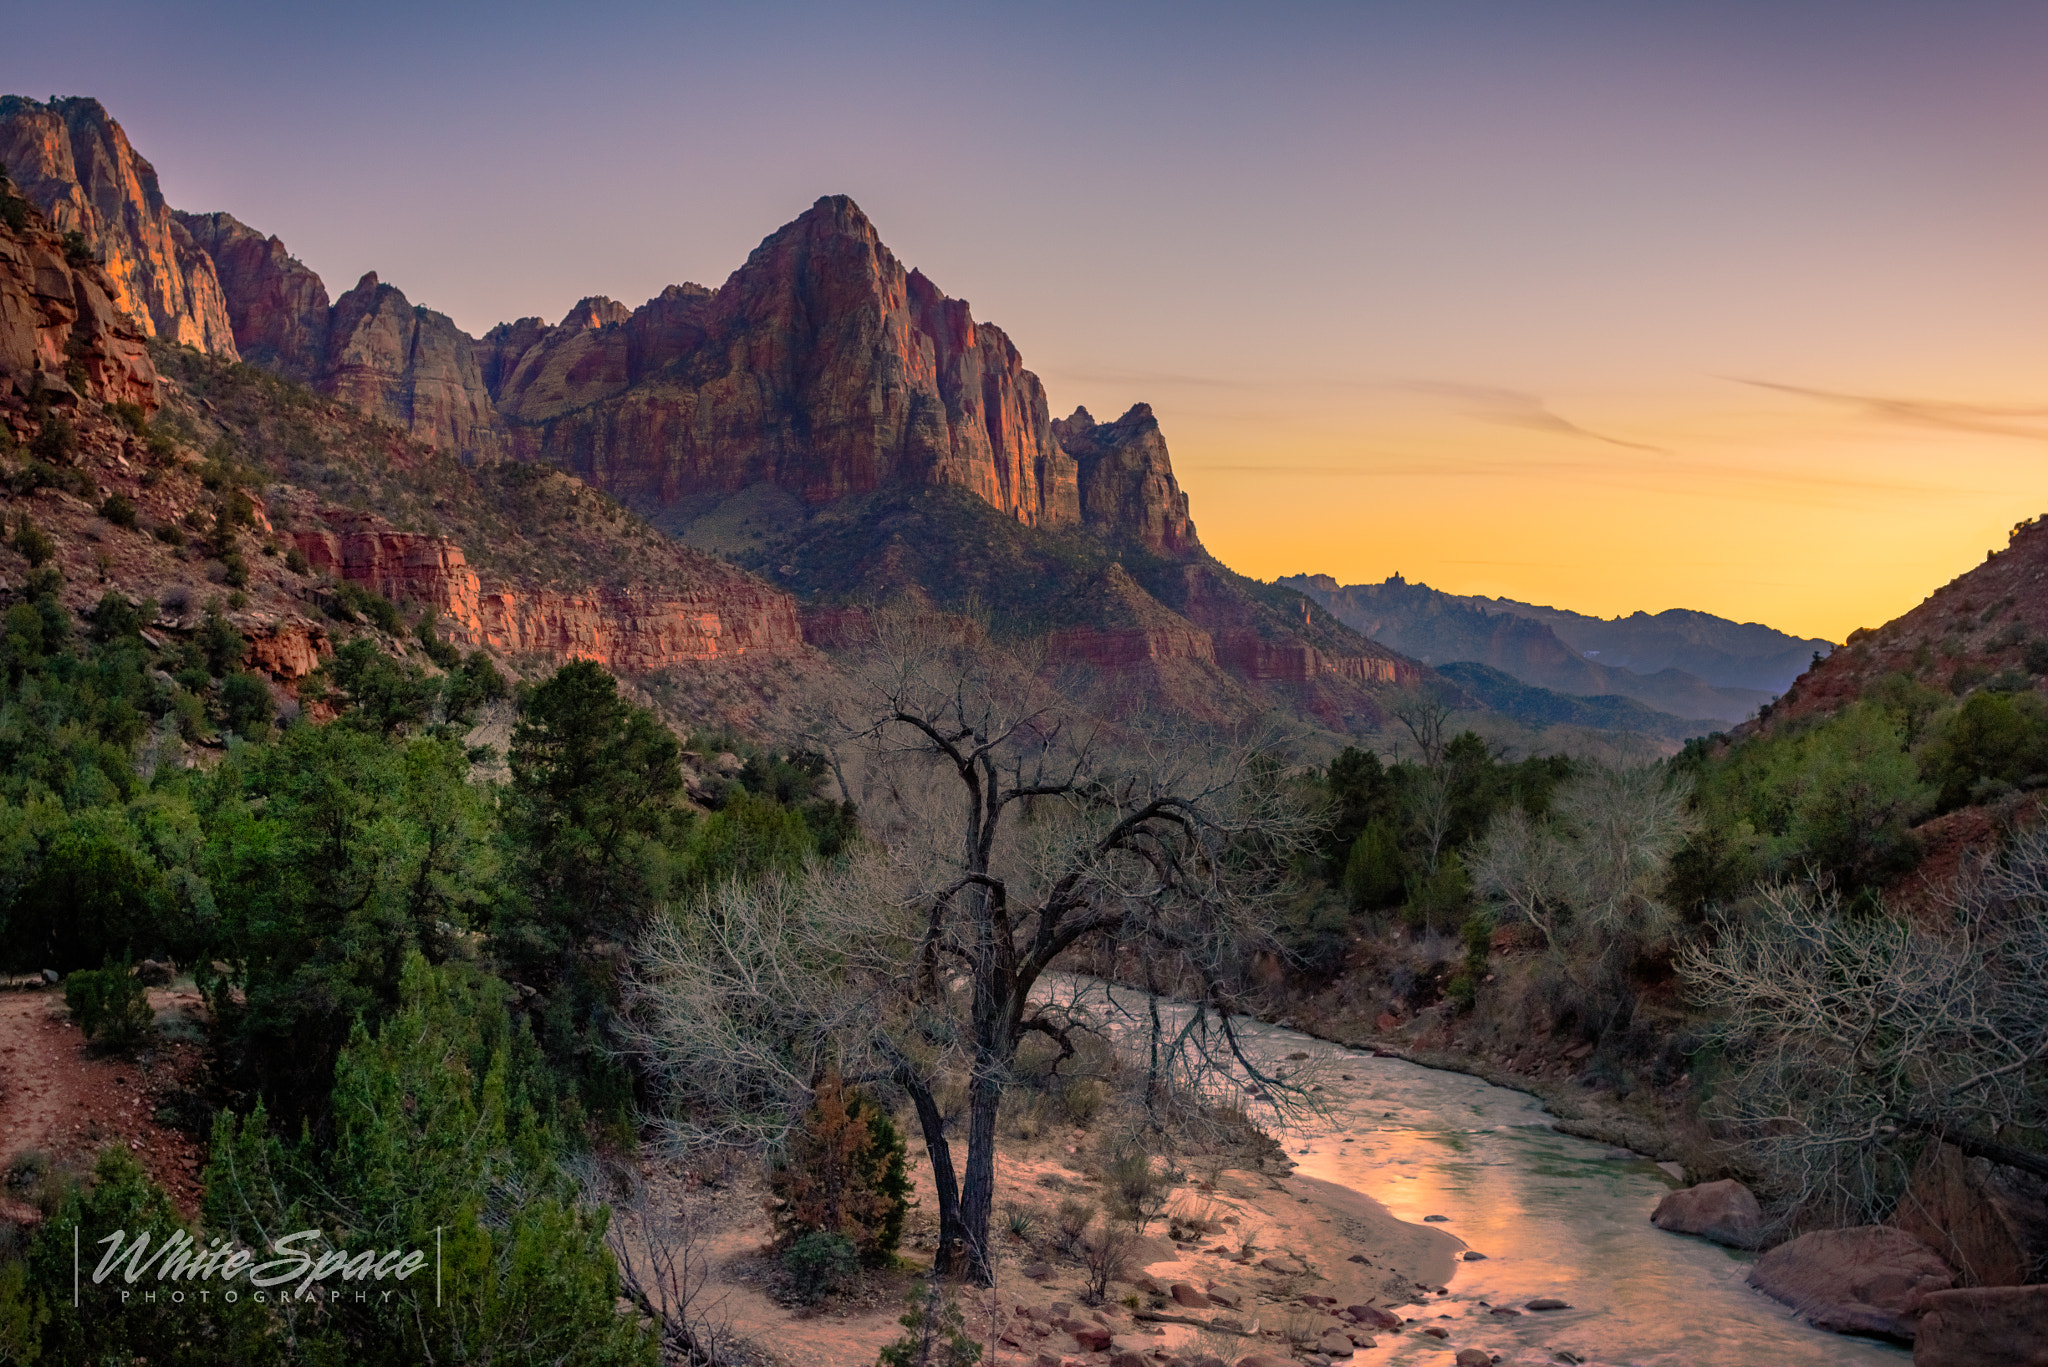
[1469,290]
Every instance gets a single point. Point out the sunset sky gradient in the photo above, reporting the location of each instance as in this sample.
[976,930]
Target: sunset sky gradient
[1741,307]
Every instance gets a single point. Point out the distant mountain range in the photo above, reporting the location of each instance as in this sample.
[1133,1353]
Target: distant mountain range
[1684,663]
[1540,708]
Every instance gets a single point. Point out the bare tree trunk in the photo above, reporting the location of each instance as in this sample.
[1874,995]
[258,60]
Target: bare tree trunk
[977,1198]
[944,1180]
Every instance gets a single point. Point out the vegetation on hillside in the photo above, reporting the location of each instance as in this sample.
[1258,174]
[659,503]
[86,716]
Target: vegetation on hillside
[412,973]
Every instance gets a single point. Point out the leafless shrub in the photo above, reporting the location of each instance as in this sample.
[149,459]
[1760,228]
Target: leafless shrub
[1106,1256]
[1070,1225]
[1856,1037]
[663,1256]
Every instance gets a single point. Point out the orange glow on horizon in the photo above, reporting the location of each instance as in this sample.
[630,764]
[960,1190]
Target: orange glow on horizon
[1812,517]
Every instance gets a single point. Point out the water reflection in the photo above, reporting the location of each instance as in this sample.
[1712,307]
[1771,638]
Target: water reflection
[1555,1216]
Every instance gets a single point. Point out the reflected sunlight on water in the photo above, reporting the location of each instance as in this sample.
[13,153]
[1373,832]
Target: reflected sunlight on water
[1554,1217]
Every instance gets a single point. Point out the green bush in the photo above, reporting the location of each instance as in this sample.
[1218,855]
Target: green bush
[119,509]
[1993,740]
[1372,874]
[246,701]
[33,543]
[109,1005]
[818,1264]
[295,561]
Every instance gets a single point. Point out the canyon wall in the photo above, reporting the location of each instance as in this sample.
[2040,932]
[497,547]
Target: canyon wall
[60,323]
[822,366]
[71,160]
[624,628]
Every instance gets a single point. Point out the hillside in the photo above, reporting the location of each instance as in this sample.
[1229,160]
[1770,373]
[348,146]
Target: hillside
[1438,628]
[1540,707]
[1986,629]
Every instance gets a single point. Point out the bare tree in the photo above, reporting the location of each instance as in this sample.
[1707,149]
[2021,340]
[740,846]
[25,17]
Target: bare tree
[1855,1036]
[1589,876]
[1426,717]
[1004,836]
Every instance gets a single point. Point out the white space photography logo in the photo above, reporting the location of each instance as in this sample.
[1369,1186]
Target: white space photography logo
[178,1269]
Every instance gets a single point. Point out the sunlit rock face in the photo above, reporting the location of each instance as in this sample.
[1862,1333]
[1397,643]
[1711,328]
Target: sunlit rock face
[61,332]
[822,366]
[71,160]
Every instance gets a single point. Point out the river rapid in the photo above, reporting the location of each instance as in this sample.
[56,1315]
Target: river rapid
[1553,1214]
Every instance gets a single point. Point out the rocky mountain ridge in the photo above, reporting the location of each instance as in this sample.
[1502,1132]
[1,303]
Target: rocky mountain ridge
[1987,627]
[822,367]
[1439,628]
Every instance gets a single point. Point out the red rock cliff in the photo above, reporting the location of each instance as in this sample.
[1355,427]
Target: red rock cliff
[625,628]
[276,304]
[53,315]
[1127,481]
[822,366]
[72,161]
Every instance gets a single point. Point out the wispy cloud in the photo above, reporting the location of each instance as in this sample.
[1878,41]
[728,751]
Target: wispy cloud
[1998,420]
[1513,408]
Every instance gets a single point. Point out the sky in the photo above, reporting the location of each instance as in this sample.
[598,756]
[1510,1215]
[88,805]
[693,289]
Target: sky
[1611,306]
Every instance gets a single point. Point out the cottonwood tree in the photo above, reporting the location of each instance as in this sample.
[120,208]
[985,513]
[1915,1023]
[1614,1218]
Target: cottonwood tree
[1856,1037]
[1003,835]
[1590,875]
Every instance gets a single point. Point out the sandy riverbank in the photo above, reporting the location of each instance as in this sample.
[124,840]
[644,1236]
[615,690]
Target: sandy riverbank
[1276,1264]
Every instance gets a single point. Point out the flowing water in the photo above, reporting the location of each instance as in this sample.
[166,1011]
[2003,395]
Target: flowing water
[1555,1216]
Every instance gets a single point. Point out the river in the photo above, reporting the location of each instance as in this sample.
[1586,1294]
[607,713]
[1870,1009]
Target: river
[1555,1216]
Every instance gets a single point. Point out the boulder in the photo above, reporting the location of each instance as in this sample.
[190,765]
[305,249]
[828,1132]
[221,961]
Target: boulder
[1265,1360]
[1867,1280]
[1126,1358]
[1474,1357]
[1223,1295]
[1548,1303]
[152,973]
[1335,1345]
[1989,1222]
[2000,1326]
[1473,1255]
[1184,1294]
[1726,1212]
[1093,1338]
[1037,1272]
[1373,1317]
[1286,1264]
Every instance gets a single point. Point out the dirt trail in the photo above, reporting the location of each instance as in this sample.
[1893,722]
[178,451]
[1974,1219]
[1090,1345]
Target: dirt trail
[60,1100]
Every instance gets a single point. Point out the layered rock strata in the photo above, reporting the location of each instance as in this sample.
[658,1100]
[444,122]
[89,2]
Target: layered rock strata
[625,628]
[72,161]
[1126,479]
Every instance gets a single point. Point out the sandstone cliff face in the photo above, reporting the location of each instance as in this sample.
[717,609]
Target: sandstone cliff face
[72,161]
[822,367]
[54,316]
[627,629]
[1126,479]
[411,366]
[277,306]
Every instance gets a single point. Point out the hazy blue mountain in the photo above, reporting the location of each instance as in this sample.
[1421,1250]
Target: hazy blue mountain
[1440,628]
[1540,707]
